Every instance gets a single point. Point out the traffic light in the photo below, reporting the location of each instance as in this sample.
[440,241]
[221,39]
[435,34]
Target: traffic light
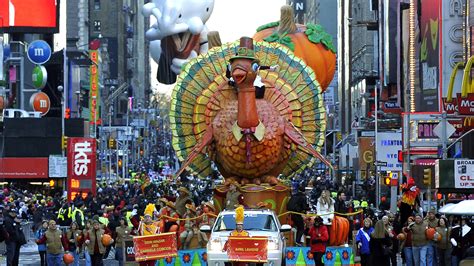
[387,180]
[427,176]
[120,163]
[112,143]
[63,142]
[51,183]
[67,113]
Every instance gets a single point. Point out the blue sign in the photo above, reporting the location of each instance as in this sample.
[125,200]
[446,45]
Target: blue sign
[39,52]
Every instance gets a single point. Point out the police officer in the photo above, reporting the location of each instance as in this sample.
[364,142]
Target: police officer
[15,236]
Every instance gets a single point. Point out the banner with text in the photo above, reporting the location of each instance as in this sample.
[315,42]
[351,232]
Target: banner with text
[248,249]
[464,174]
[388,145]
[81,166]
[155,246]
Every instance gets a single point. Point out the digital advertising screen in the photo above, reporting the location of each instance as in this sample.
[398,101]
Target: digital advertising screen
[27,16]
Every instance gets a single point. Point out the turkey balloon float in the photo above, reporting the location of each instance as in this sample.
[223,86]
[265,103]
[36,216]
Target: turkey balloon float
[178,34]
[253,109]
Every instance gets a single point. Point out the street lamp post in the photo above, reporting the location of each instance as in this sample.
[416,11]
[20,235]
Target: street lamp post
[61,89]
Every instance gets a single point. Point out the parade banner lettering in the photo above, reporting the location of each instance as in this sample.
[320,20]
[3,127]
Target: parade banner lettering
[155,246]
[247,249]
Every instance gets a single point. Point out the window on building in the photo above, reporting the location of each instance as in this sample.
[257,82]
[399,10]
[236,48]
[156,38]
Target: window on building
[96,25]
[96,4]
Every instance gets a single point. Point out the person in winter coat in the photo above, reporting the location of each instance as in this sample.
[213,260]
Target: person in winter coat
[298,203]
[380,245]
[325,207]
[407,245]
[319,236]
[94,244]
[443,246]
[363,241]
[42,247]
[15,237]
[462,237]
[55,242]
[74,238]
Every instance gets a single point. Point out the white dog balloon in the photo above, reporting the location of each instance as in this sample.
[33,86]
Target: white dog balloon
[178,34]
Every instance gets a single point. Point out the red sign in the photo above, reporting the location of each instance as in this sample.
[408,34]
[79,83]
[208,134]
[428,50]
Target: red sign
[24,168]
[451,107]
[425,161]
[155,246]
[466,105]
[247,249]
[29,16]
[40,102]
[81,166]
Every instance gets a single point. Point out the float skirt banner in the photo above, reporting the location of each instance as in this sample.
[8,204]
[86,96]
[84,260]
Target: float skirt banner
[155,246]
[247,249]
[298,256]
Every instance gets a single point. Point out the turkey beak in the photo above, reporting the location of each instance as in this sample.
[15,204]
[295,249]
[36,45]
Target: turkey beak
[239,74]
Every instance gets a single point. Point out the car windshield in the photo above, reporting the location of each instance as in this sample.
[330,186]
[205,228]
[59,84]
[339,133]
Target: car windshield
[252,222]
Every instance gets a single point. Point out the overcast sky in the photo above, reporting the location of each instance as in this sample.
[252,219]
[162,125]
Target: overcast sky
[236,18]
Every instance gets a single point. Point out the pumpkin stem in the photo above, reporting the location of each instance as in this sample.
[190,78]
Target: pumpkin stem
[213,39]
[287,23]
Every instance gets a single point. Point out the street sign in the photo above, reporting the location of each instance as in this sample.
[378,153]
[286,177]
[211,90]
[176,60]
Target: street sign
[39,52]
[438,129]
[378,163]
[57,166]
[39,77]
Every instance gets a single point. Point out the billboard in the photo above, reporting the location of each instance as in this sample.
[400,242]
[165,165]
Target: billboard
[366,153]
[19,168]
[428,44]
[81,166]
[452,50]
[38,16]
[388,145]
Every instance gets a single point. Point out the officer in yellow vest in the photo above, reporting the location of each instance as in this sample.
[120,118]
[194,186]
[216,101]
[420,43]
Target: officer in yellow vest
[78,215]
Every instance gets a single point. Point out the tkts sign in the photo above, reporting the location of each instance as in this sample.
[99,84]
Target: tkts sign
[81,168]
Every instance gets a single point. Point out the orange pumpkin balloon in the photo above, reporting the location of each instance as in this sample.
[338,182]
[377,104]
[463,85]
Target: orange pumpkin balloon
[68,258]
[430,233]
[106,240]
[309,42]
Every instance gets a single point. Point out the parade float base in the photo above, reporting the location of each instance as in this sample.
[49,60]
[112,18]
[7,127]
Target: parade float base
[273,197]
[293,256]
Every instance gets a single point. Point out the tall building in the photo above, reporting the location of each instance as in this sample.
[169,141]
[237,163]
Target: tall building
[117,28]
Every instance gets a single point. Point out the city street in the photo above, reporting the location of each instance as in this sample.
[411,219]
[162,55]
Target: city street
[212,131]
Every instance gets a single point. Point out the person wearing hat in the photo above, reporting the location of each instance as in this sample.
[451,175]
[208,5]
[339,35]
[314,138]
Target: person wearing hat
[432,222]
[15,238]
[55,243]
[319,236]
[189,226]
[182,200]
[75,239]
[239,223]
[94,243]
[148,227]
[207,218]
[122,233]
[232,196]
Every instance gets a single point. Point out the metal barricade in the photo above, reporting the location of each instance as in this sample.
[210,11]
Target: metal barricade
[27,228]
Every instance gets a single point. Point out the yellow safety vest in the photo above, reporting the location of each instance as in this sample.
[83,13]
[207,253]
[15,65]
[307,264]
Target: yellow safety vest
[61,213]
[127,218]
